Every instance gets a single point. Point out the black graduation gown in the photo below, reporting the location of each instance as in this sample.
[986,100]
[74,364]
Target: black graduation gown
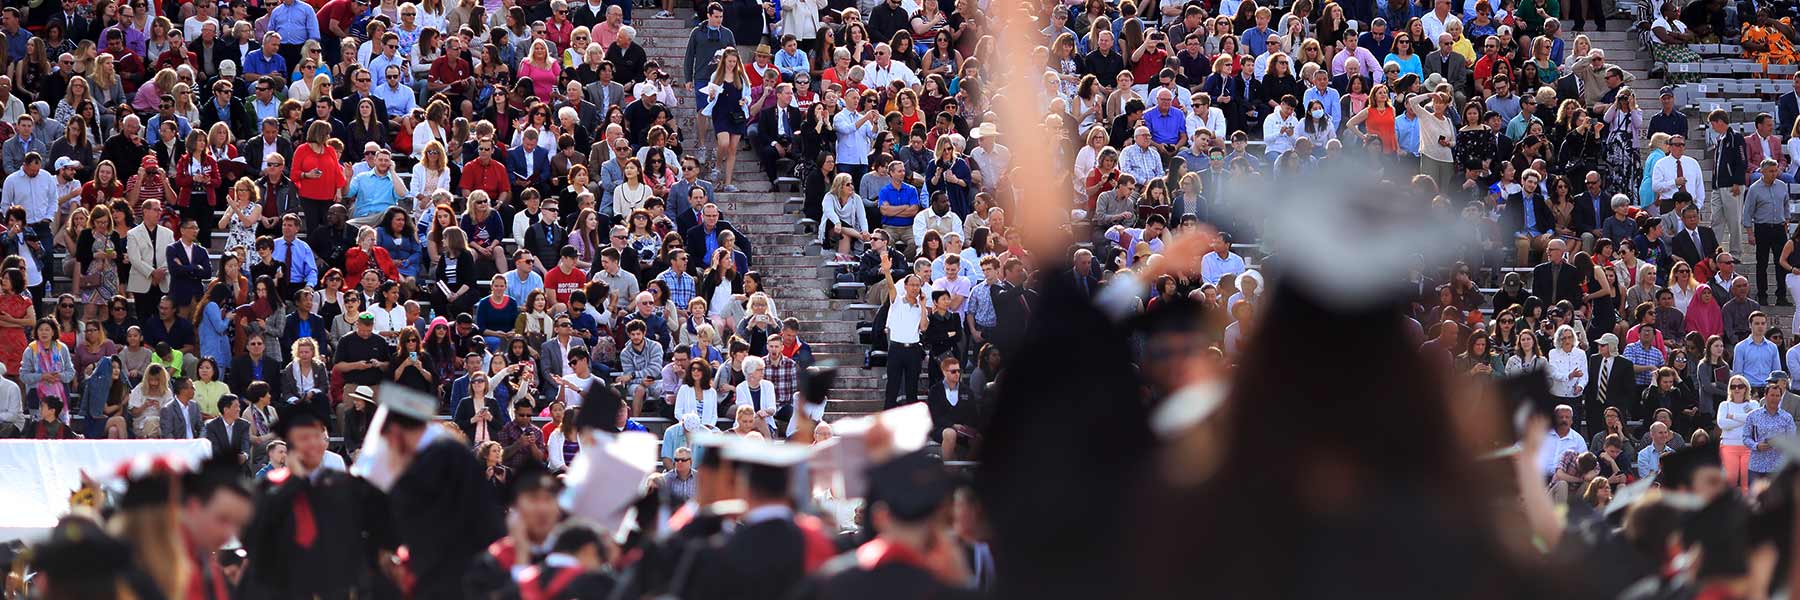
[843,578]
[654,574]
[446,515]
[352,524]
[766,559]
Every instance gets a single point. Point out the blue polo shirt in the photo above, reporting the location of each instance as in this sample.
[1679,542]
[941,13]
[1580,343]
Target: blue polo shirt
[1165,128]
[905,195]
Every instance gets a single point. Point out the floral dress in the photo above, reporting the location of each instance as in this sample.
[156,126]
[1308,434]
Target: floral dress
[103,265]
[241,235]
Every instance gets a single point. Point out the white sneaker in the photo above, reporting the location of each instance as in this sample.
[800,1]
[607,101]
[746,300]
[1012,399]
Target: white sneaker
[663,15]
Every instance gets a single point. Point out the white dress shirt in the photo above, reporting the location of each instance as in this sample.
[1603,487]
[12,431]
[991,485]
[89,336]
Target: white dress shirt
[903,319]
[1662,179]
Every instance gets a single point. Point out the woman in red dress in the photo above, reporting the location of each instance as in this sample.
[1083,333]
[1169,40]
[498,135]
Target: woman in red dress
[16,315]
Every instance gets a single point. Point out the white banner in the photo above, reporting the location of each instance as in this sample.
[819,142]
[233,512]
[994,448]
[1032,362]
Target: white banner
[36,476]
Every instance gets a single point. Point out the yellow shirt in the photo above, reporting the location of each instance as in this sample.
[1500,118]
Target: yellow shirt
[1466,48]
[207,393]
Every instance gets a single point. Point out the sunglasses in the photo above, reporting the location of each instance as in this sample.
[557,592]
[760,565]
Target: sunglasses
[682,460]
[1739,386]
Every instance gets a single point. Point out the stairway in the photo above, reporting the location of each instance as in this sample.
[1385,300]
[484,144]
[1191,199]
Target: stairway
[788,256]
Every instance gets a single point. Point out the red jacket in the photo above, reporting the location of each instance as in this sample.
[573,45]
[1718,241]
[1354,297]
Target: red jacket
[356,261]
[184,179]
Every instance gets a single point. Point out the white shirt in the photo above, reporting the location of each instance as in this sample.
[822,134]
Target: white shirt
[572,398]
[1732,418]
[705,405]
[1562,365]
[1214,121]
[36,194]
[1662,179]
[1554,446]
[1274,140]
[192,27]
[944,223]
[1434,26]
[12,407]
[877,76]
[389,319]
[1213,267]
[903,319]
[767,390]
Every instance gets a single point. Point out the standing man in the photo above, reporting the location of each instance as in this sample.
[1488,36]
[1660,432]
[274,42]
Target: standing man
[297,22]
[144,246]
[1555,280]
[1756,357]
[1671,120]
[439,482]
[190,265]
[1765,224]
[33,188]
[317,532]
[1731,162]
[1678,172]
[905,324]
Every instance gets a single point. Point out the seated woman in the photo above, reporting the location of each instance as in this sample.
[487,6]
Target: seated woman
[1669,37]
[1768,41]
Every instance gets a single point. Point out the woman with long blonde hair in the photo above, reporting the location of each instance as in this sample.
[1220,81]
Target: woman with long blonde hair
[1734,414]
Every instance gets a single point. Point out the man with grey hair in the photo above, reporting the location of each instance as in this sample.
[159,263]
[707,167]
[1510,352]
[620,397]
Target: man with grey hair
[1142,159]
[1765,218]
[1736,311]
[1561,438]
[1166,123]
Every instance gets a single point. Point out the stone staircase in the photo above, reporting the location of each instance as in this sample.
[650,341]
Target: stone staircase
[786,254]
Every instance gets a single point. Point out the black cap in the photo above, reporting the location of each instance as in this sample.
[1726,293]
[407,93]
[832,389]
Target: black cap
[816,382]
[530,477]
[79,555]
[912,486]
[1721,529]
[291,415]
[599,408]
[1679,467]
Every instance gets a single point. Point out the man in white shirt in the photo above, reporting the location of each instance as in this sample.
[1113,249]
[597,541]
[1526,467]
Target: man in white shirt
[938,217]
[990,157]
[579,378]
[905,322]
[1560,438]
[1281,127]
[1677,172]
[886,71]
[1205,116]
[1435,20]
[1221,262]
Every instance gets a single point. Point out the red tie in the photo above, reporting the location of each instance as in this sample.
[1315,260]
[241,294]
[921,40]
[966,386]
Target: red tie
[306,531]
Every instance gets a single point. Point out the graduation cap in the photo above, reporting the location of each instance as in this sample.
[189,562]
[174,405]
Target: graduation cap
[714,443]
[766,466]
[289,415]
[912,486]
[532,476]
[219,471]
[599,409]
[1679,467]
[1721,529]
[150,480]
[79,556]
[816,382]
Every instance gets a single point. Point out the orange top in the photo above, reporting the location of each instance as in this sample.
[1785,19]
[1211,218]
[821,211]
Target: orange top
[1381,123]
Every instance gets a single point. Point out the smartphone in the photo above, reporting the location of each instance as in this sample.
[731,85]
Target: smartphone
[414,356]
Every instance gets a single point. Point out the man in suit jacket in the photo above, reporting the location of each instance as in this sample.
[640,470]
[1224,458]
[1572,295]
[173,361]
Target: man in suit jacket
[1593,205]
[704,237]
[1765,143]
[955,415]
[605,93]
[773,133]
[229,434]
[144,245]
[255,149]
[528,164]
[1083,275]
[1695,242]
[553,354]
[1614,384]
[361,86]
[189,266]
[1555,279]
[1787,107]
[1452,66]
[75,27]
[181,418]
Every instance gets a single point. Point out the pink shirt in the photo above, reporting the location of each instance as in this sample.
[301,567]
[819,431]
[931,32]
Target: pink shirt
[543,81]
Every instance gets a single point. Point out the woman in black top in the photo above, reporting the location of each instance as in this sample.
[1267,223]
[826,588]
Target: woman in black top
[412,366]
[1278,82]
[454,294]
[367,127]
